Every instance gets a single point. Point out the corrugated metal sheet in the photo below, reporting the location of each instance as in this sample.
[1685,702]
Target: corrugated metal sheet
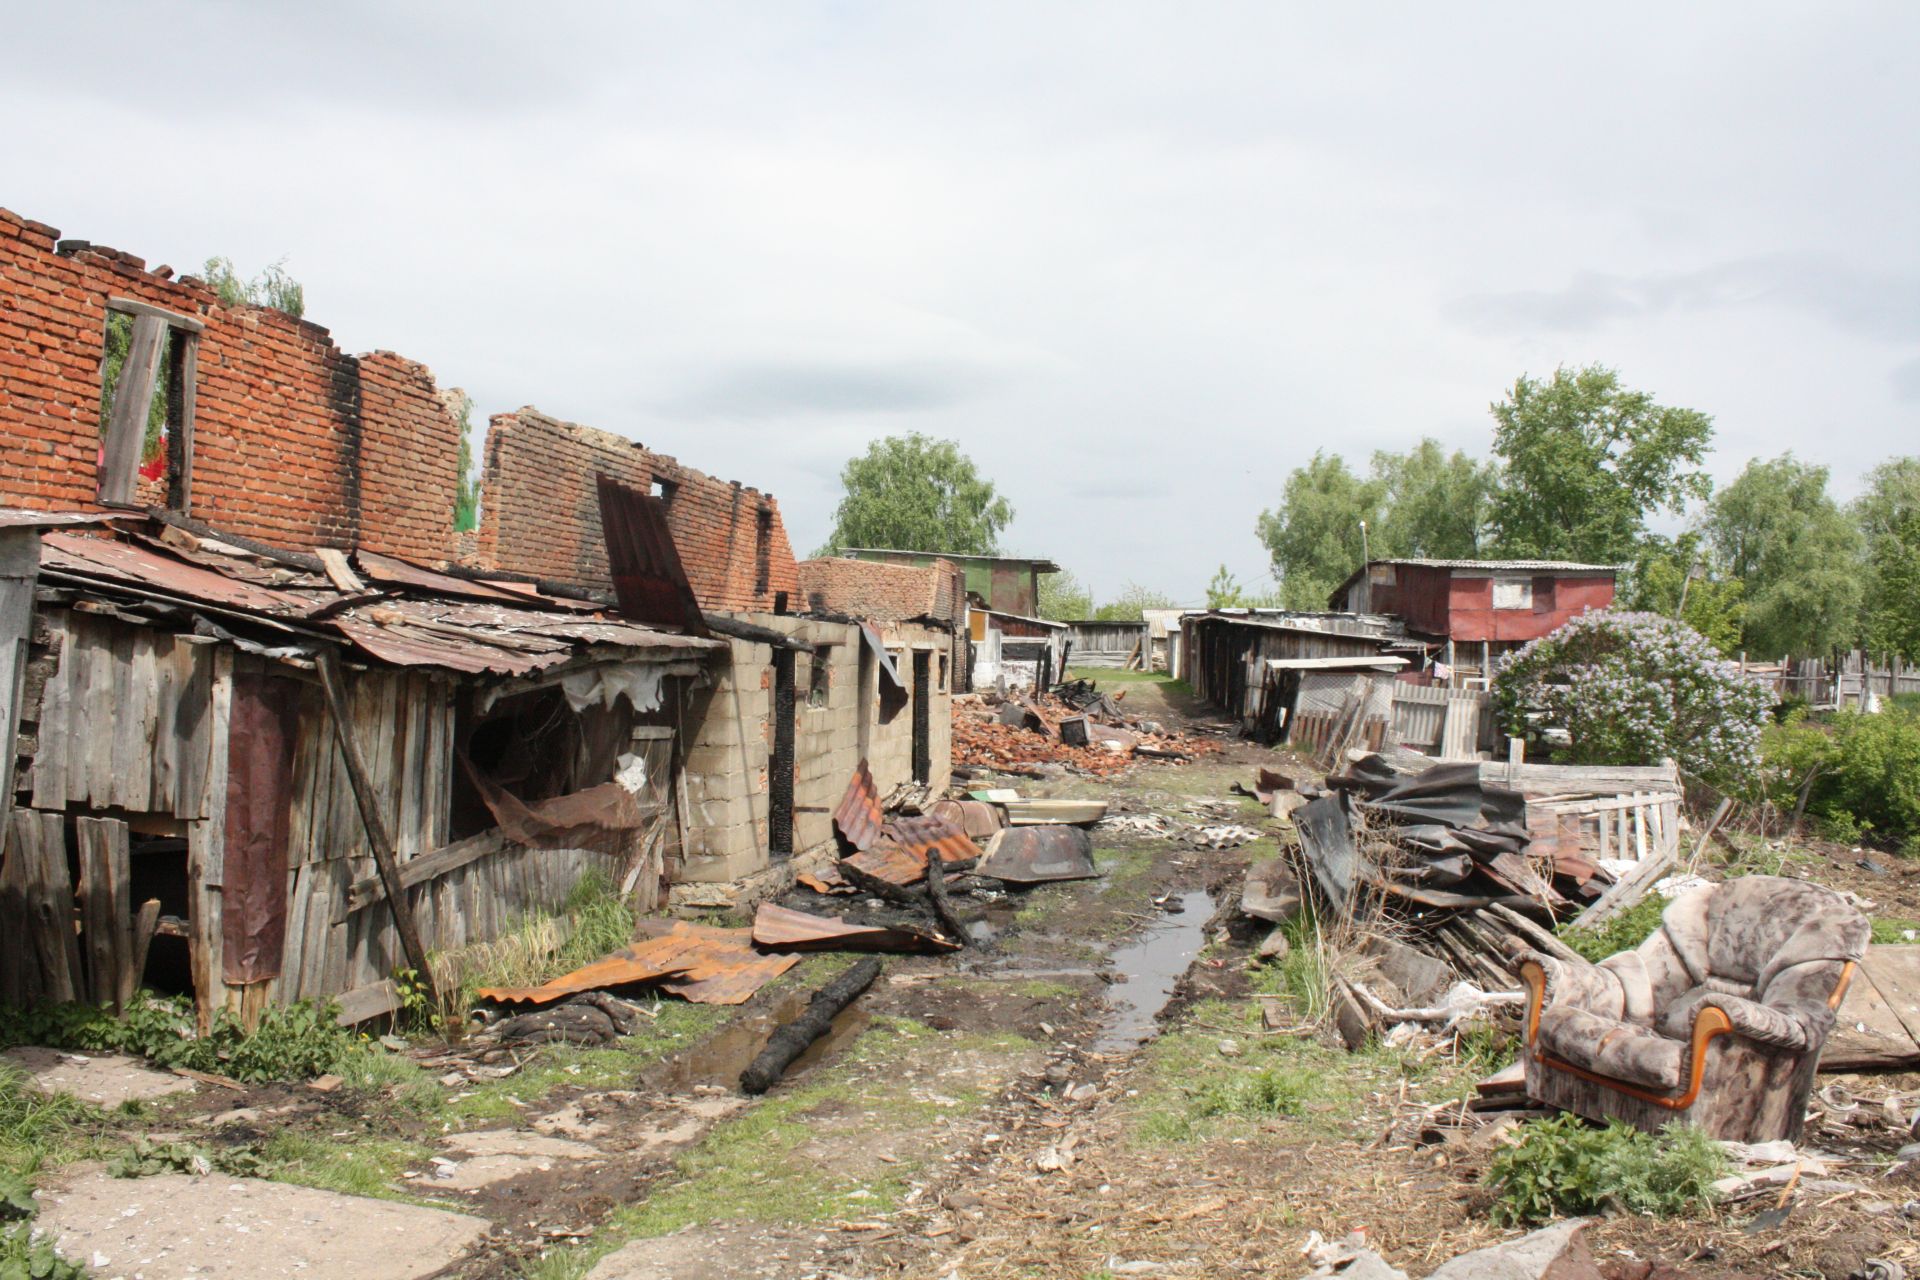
[19,518]
[115,560]
[648,579]
[392,571]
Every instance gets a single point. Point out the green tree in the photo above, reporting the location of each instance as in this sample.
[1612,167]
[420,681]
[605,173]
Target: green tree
[1585,461]
[1888,517]
[1314,535]
[466,493]
[1892,620]
[913,493]
[1063,598]
[1776,529]
[1673,577]
[119,340]
[1435,504]
[1132,603]
[273,287]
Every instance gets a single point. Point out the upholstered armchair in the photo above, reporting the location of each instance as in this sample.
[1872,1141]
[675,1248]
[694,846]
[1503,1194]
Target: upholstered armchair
[1716,1020]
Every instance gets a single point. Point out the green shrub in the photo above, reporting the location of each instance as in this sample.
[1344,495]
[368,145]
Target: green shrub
[1281,1090]
[292,1042]
[1865,770]
[1566,1166]
[1622,932]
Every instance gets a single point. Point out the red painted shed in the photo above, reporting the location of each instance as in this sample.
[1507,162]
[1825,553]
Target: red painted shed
[1501,603]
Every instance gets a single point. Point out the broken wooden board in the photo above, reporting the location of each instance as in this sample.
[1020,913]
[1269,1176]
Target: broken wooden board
[784,929]
[1023,813]
[1878,1025]
[1039,855]
[697,963]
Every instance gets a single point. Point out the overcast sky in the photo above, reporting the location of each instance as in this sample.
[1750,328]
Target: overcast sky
[1140,260]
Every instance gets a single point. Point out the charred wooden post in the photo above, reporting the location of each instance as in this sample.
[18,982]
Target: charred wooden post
[327,661]
[791,1040]
[901,896]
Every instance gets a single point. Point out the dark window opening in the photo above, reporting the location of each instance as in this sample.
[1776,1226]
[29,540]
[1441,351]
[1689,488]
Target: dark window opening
[922,718]
[819,676]
[866,693]
[763,553]
[944,676]
[780,768]
[529,745]
[147,375]
[663,489]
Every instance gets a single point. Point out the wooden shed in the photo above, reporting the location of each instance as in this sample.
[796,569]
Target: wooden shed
[212,746]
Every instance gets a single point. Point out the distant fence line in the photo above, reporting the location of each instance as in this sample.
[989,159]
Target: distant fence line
[1846,680]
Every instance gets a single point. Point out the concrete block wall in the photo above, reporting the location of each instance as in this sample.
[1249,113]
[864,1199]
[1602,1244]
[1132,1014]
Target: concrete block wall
[295,442]
[541,513]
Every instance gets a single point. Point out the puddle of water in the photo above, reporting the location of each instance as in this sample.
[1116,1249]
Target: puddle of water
[1148,969]
[719,1059]
[992,921]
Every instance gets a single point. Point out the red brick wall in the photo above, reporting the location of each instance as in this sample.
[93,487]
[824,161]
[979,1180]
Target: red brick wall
[879,592]
[295,442]
[540,513]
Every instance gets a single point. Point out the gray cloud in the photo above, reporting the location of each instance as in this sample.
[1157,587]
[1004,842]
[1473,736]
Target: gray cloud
[1874,304]
[776,391]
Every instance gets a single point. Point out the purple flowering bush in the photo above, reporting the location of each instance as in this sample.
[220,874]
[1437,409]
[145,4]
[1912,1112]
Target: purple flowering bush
[1636,688]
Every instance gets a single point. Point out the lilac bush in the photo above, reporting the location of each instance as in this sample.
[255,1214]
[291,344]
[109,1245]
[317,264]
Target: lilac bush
[1636,688]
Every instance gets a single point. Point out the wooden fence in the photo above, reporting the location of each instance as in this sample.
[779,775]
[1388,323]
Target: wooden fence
[1846,680]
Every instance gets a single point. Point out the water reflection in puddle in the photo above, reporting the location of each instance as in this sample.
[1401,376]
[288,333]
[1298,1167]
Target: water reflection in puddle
[719,1059]
[1147,970]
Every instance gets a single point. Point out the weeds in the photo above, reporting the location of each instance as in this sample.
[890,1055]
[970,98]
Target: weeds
[1566,1166]
[1888,931]
[1621,932]
[292,1042]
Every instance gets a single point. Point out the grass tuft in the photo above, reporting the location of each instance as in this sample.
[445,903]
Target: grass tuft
[1564,1165]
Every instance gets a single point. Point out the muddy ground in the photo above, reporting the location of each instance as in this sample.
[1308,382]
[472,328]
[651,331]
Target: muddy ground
[1091,1091]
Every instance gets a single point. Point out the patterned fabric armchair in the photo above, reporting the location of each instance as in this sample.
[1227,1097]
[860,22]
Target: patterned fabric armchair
[1716,1020]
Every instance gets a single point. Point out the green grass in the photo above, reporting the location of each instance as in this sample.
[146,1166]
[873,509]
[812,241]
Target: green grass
[359,1165]
[768,1165]
[1891,931]
[1102,677]
[1620,932]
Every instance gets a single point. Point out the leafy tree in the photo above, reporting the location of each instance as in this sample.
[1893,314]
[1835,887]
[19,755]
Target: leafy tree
[913,493]
[1672,577]
[1892,620]
[1888,516]
[119,340]
[1586,460]
[1063,598]
[1314,534]
[466,494]
[1132,603]
[1435,505]
[1776,529]
[273,287]
[1225,592]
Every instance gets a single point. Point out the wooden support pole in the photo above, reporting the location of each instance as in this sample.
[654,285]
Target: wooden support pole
[327,661]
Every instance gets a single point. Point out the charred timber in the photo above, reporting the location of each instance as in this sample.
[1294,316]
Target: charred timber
[790,1041]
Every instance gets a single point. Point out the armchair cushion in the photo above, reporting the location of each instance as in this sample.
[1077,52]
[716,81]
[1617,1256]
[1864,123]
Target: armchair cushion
[1606,1046]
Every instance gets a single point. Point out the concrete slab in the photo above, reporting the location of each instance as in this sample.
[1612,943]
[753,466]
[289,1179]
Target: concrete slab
[519,1142]
[712,1251]
[173,1226]
[104,1079]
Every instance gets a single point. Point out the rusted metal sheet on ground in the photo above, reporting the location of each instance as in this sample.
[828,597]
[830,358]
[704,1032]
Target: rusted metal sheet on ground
[648,579]
[701,964]
[784,929]
[858,818]
[885,860]
[929,835]
[1039,854]
[975,817]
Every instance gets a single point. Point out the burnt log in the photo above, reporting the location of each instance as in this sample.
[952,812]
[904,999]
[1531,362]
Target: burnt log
[790,1041]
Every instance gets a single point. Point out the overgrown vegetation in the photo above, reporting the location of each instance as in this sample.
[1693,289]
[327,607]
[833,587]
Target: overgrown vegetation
[292,1042]
[273,287]
[1563,1165]
[1623,931]
[1859,771]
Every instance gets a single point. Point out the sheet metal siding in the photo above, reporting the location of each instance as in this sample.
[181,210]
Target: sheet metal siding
[1472,617]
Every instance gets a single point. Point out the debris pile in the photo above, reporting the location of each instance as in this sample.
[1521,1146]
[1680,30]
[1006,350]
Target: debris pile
[1075,727]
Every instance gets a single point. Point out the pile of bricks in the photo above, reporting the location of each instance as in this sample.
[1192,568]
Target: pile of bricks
[980,739]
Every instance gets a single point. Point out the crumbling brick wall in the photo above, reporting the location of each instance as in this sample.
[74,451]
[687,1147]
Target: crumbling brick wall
[295,442]
[540,513]
[879,592]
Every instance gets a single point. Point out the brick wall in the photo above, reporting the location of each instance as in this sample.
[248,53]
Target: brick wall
[295,442]
[881,592]
[540,513]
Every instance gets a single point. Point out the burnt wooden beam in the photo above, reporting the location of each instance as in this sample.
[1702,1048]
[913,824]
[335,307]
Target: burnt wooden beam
[328,663]
[728,625]
[790,1041]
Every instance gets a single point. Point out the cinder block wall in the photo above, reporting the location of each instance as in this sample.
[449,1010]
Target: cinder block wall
[541,513]
[295,442]
[890,742]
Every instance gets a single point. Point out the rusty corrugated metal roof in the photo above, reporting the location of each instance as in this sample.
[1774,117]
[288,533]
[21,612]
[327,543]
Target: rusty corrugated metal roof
[418,626]
[21,518]
[648,579]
